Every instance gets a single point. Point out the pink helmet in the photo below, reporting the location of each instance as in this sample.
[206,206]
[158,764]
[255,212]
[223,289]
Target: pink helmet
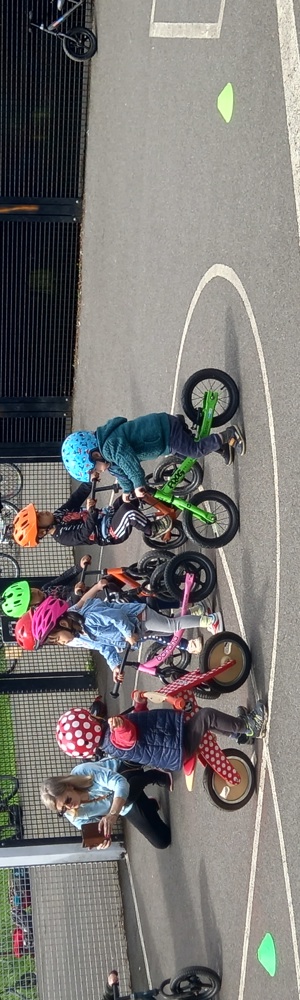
[46,616]
[78,733]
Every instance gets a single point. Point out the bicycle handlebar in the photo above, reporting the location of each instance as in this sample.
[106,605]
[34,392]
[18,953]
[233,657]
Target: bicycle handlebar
[115,691]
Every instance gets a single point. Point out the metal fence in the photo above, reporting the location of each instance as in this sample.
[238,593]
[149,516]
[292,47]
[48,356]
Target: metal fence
[67,944]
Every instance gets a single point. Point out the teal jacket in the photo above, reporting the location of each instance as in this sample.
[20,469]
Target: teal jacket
[125,443]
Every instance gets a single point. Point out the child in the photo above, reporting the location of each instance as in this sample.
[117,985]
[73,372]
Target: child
[106,790]
[21,595]
[161,738]
[106,627]
[121,445]
[70,525]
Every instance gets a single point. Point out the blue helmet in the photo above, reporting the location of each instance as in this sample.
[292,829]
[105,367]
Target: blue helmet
[75,454]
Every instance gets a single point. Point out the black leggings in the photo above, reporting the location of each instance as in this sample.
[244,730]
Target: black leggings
[204,720]
[127,517]
[144,812]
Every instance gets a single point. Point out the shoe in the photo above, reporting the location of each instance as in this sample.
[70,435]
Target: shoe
[226,453]
[257,721]
[195,645]
[216,623]
[198,609]
[160,526]
[234,437]
[242,738]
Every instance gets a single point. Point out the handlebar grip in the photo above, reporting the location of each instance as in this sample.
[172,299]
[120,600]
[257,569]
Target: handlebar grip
[94,488]
[115,691]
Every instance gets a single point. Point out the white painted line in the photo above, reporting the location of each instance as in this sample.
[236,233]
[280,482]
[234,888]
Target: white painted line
[228,274]
[139,924]
[186,29]
[290,65]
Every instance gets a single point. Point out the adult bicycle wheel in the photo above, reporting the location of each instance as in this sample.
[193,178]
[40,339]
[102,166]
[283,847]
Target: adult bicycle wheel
[196,981]
[79,44]
[11,480]
[217,381]
[222,648]
[231,797]
[8,788]
[189,484]
[212,536]
[190,562]
[9,567]
[173,540]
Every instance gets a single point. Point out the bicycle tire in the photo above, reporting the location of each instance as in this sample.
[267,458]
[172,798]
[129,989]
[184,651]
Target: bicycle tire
[69,43]
[8,789]
[213,784]
[178,538]
[150,561]
[213,655]
[188,562]
[200,534]
[164,471]
[157,582]
[193,976]
[170,670]
[211,375]
[9,567]
[12,478]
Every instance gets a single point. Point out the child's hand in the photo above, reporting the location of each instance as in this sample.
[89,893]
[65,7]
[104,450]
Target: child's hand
[115,722]
[94,475]
[79,589]
[138,697]
[90,503]
[113,978]
[85,561]
[117,676]
[140,491]
[126,497]
[133,639]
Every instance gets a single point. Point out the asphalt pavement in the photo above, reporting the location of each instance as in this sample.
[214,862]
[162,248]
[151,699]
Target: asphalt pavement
[190,259]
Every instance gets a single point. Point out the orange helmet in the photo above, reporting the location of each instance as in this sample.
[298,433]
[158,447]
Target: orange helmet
[25,527]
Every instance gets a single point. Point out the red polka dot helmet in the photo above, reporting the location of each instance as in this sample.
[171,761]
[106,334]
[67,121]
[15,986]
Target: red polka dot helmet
[78,733]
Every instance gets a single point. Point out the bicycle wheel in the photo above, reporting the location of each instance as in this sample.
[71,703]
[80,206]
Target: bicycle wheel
[9,567]
[149,562]
[220,648]
[157,582]
[237,795]
[190,562]
[196,981]
[212,536]
[176,539]
[79,44]
[191,481]
[174,667]
[11,480]
[217,381]
[8,788]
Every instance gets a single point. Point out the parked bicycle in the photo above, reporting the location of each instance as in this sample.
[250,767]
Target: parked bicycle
[192,981]
[11,482]
[79,43]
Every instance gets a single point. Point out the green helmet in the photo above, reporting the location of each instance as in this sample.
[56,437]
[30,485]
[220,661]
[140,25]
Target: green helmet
[15,600]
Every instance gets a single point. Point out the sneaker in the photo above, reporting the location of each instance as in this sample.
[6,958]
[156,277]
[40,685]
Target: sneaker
[226,453]
[198,609]
[257,721]
[160,526]
[215,624]
[195,645]
[242,738]
[234,437]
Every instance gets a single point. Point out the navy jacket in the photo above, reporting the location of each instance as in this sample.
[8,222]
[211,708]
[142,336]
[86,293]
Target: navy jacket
[159,740]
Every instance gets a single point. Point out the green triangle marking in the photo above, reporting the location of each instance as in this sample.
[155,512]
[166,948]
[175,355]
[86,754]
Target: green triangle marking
[225,102]
[266,954]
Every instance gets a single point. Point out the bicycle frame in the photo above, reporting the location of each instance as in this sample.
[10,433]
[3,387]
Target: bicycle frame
[166,494]
[60,20]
